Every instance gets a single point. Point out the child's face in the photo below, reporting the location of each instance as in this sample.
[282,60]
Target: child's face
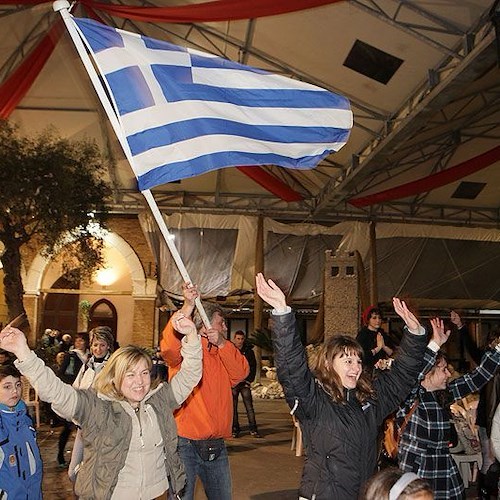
[10,391]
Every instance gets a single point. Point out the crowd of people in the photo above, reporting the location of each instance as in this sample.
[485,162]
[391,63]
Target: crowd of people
[145,437]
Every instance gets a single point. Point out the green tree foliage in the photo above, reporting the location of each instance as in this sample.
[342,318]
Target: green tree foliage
[49,189]
[262,338]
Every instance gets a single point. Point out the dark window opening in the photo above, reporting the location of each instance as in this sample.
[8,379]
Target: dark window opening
[372,62]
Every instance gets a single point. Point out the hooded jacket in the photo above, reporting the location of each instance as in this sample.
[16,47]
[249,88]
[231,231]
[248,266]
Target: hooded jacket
[20,461]
[340,438]
[110,433]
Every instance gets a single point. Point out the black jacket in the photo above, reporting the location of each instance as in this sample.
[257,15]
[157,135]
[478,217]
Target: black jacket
[489,395]
[340,438]
[247,351]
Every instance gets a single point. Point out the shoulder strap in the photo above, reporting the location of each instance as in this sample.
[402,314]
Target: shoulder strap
[407,419]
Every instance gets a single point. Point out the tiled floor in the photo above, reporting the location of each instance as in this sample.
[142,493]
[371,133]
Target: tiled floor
[262,469]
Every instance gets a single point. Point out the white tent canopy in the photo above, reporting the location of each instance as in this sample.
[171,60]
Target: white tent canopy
[424,85]
[432,265]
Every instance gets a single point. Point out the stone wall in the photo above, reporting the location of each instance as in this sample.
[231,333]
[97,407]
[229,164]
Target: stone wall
[144,322]
[143,327]
[130,230]
[341,294]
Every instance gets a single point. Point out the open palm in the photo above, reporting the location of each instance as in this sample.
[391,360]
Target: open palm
[270,292]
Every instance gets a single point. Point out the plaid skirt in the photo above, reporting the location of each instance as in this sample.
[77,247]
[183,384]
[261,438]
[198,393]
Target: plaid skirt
[437,466]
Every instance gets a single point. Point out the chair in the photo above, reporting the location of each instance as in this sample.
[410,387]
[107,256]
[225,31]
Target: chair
[468,466]
[30,397]
[297,444]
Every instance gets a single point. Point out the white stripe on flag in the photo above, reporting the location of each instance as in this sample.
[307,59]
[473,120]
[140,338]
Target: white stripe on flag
[239,79]
[162,114]
[206,145]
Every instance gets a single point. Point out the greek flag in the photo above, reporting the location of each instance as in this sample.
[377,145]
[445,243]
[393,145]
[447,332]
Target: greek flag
[184,112]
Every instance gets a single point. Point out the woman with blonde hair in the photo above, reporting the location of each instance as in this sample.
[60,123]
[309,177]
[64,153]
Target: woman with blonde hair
[339,409]
[128,430]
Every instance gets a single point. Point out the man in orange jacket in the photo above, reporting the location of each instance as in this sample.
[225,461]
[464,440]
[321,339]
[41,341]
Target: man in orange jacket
[205,418]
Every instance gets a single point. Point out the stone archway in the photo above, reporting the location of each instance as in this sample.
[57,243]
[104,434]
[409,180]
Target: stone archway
[143,288]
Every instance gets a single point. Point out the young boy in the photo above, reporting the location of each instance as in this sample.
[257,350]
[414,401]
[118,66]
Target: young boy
[20,461]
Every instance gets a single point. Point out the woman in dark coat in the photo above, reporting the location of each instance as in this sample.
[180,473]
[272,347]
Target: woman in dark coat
[338,408]
[373,339]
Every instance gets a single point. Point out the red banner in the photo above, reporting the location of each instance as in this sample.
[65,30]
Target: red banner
[430,182]
[15,87]
[219,10]
[271,183]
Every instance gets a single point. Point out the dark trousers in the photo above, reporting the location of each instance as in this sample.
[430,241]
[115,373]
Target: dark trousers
[246,395]
[63,440]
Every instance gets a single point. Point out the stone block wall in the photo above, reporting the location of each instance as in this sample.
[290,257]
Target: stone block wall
[130,230]
[341,294]
[144,322]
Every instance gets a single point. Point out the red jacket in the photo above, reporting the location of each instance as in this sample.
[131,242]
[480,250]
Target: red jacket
[208,411]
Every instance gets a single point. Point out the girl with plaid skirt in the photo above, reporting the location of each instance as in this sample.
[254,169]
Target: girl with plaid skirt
[424,445]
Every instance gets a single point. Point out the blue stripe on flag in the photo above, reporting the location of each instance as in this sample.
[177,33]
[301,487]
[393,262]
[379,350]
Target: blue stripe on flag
[200,61]
[151,43]
[182,170]
[100,37]
[189,129]
[262,98]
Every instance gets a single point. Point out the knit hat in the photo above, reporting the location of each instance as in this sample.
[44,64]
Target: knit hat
[365,317]
[103,333]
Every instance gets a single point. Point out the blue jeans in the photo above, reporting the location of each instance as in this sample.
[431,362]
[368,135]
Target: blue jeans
[214,473]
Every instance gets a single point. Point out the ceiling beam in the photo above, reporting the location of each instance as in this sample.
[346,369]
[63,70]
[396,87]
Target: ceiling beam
[414,115]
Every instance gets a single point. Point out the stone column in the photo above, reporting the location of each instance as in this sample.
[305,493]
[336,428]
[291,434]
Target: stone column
[144,322]
[341,299]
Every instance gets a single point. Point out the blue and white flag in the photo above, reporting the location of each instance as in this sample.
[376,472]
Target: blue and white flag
[184,112]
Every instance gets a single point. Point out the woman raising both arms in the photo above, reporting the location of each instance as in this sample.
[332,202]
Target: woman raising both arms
[340,410]
[128,430]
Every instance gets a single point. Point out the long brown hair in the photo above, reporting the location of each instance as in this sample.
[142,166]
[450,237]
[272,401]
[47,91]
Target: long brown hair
[322,368]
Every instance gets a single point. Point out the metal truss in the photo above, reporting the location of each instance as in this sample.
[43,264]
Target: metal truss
[408,123]
[24,46]
[132,202]
[411,136]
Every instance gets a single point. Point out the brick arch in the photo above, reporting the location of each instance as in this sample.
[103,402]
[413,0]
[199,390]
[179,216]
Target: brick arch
[141,285]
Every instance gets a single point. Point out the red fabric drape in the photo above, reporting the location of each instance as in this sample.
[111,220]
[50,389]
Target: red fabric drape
[271,183]
[432,181]
[219,10]
[22,2]
[15,87]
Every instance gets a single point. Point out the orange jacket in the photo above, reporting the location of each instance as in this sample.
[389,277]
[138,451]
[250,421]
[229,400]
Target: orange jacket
[208,411]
